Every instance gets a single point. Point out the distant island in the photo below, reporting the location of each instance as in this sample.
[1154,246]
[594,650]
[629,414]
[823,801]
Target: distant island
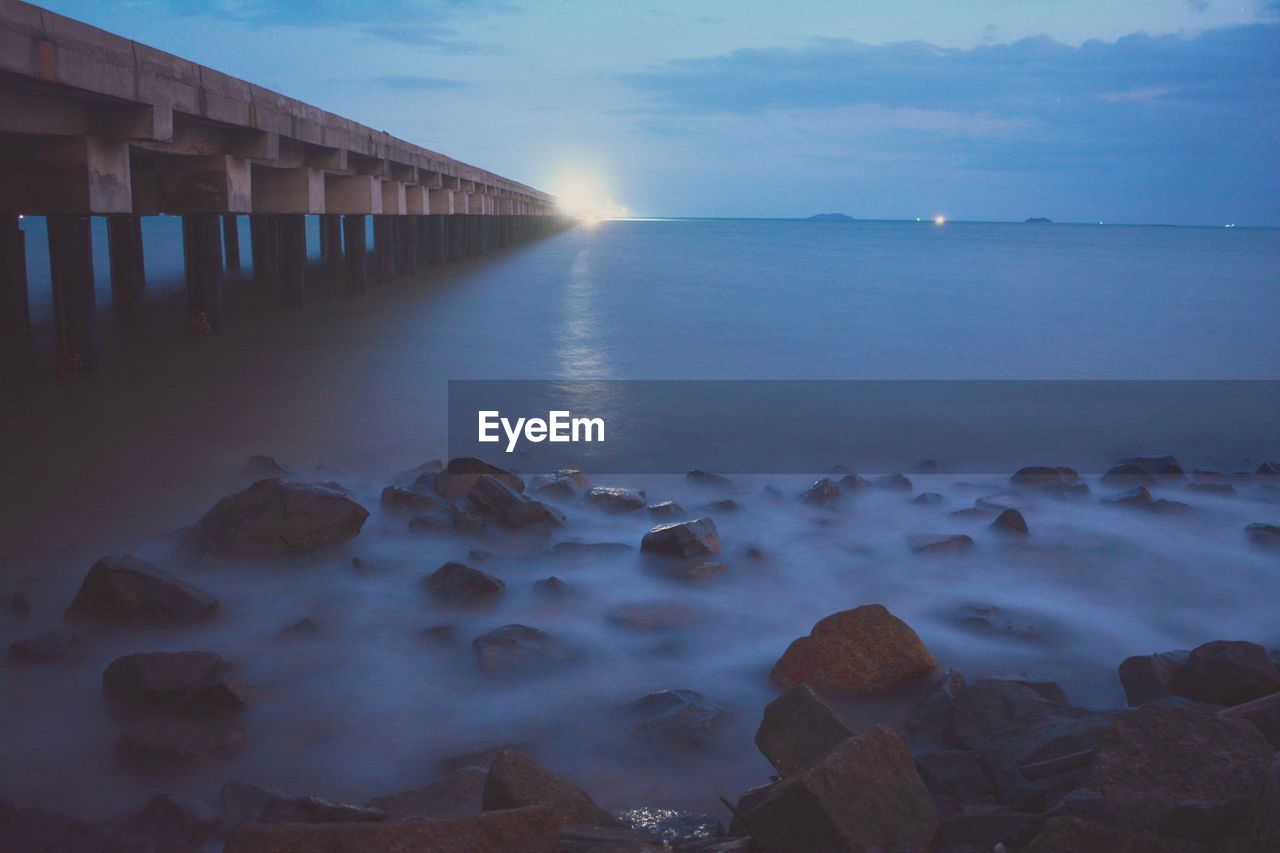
[830,217]
[1038,219]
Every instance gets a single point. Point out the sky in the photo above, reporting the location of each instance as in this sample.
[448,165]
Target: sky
[1135,111]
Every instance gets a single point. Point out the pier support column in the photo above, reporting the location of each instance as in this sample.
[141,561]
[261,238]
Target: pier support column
[436,227]
[15,306]
[384,248]
[331,239]
[128,269]
[353,232]
[202,253]
[231,241]
[71,274]
[293,259]
[422,247]
[407,244]
[263,247]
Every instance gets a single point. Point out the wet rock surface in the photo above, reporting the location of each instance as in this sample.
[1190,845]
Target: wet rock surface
[616,500]
[199,681]
[518,650]
[672,719]
[274,518]
[683,539]
[798,729]
[515,781]
[127,589]
[459,584]
[939,543]
[57,645]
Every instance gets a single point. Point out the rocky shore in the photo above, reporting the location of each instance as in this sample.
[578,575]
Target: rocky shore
[1188,764]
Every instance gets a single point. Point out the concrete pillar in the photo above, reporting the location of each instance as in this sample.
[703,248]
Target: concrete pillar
[357,259]
[407,244]
[293,258]
[331,239]
[202,254]
[439,253]
[453,237]
[128,269]
[15,308]
[263,245]
[384,248]
[231,241]
[422,248]
[71,272]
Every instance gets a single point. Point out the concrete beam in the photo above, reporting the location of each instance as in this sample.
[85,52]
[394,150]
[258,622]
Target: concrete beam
[217,183]
[64,175]
[288,190]
[441,201]
[352,194]
[393,198]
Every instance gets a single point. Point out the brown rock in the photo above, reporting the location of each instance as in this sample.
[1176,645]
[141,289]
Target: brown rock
[1264,535]
[458,583]
[1150,760]
[1148,678]
[275,518]
[677,718]
[519,650]
[494,499]
[683,539]
[824,492]
[459,793]
[798,729]
[565,484]
[855,651]
[126,589]
[1010,522]
[461,474]
[1226,672]
[1074,835]
[175,740]
[863,795]
[58,645]
[515,781]
[614,500]
[529,830]
[692,570]
[410,501]
[665,509]
[930,543]
[199,681]
[654,616]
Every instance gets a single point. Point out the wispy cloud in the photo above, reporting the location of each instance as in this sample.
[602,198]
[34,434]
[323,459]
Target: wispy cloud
[416,83]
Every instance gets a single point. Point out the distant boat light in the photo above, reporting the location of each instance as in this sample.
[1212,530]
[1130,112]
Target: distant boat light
[939,220]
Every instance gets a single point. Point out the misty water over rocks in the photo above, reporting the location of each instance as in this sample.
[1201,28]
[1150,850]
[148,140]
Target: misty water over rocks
[363,681]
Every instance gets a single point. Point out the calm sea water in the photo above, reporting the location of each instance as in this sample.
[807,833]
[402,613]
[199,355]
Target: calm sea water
[354,389]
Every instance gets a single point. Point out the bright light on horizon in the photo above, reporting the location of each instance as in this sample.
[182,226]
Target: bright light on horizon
[939,220]
[585,198]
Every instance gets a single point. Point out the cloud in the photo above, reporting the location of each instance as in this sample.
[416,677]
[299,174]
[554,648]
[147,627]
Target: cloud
[423,84]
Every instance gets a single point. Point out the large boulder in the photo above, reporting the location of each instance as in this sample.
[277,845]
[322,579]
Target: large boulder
[1058,481]
[126,589]
[458,583]
[683,539]
[1149,678]
[519,650]
[1153,759]
[57,645]
[616,500]
[677,718]
[565,484]
[495,499]
[1264,535]
[275,518]
[461,475]
[864,795]
[459,792]
[409,501]
[798,729]
[1266,824]
[172,740]
[198,681]
[939,543]
[824,492]
[516,781]
[1226,672]
[1156,466]
[529,830]
[855,651]
[175,823]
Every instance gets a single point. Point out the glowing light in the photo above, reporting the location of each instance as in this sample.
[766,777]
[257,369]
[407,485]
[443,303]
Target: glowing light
[585,198]
[939,220]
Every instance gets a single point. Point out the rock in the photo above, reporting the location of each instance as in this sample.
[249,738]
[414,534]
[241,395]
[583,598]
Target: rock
[677,718]
[306,809]
[266,466]
[1063,482]
[465,522]
[653,616]
[980,826]
[459,793]
[990,621]
[956,773]
[773,494]
[1226,672]
[1156,466]
[1072,835]
[929,720]
[574,549]
[1212,488]
[303,629]
[683,539]
[853,483]
[704,478]
[932,543]
[1128,475]
[551,587]
[515,781]
[893,483]
[1208,822]
[597,839]
[928,499]
[243,803]
[1264,535]
[824,492]
[529,830]
[863,795]
[1164,506]
[1138,496]
[1000,501]
[424,473]
[854,651]
[798,729]
[275,518]
[194,681]
[665,509]
[973,512]
[461,474]
[410,501]
[1010,522]
[17,607]
[126,589]
[691,570]
[725,505]
[439,635]
[671,825]
[458,583]
[565,484]
[1268,470]
[1152,759]
[58,645]
[175,740]
[1266,823]
[34,829]
[492,498]
[519,650]
[616,501]
[1148,678]
[177,819]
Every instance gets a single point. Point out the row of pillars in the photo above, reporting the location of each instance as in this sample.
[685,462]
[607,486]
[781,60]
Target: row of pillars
[211,249]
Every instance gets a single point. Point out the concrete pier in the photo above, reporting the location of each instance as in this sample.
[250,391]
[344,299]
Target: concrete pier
[71,274]
[92,124]
[15,310]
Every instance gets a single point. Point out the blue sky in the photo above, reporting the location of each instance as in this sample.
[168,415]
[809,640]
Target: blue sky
[1088,110]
